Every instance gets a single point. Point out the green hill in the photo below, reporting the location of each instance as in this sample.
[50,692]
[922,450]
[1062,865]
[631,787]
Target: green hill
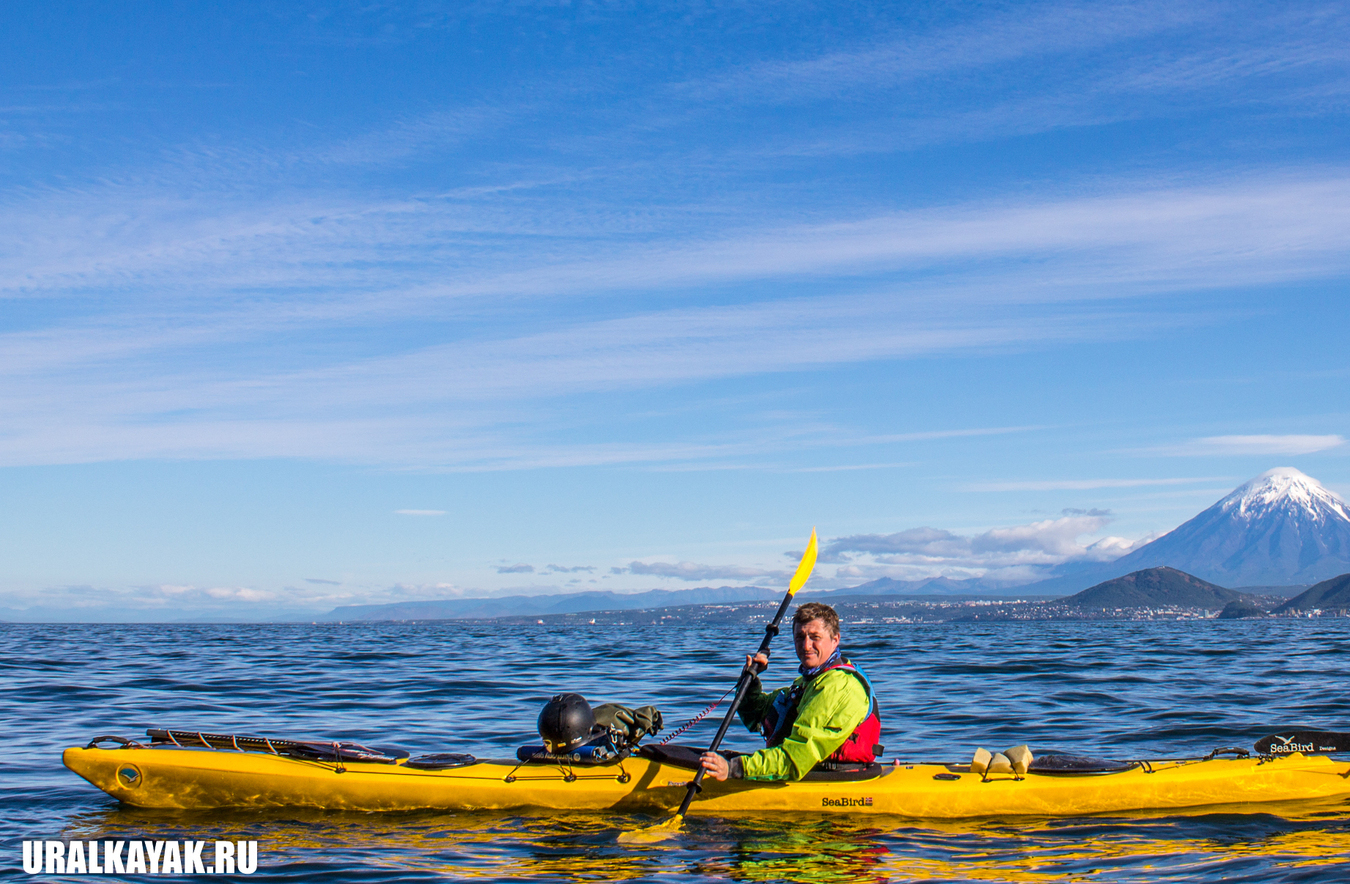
[1328,595]
[1155,588]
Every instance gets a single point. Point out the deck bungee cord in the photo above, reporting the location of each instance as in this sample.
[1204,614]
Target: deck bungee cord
[696,719]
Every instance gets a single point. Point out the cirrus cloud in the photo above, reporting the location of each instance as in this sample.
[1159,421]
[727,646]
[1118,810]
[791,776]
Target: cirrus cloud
[1249,445]
[1083,484]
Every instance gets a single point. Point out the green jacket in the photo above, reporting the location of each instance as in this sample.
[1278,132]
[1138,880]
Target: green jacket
[832,706]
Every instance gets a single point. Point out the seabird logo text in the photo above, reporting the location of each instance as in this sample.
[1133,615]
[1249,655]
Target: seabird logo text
[1288,745]
[846,802]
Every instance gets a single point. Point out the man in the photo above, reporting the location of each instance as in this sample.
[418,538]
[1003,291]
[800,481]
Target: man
[827,714]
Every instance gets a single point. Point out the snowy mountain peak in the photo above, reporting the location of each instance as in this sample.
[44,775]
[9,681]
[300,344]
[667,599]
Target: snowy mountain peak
[1284,489]
[1281,528]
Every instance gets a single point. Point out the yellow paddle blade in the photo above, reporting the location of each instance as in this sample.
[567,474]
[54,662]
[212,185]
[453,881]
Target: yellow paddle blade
[804,569]
[652,834]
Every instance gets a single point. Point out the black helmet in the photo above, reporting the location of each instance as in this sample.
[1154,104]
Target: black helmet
[565,723]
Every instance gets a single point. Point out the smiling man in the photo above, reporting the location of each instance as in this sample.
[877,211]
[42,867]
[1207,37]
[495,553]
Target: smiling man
[827,715]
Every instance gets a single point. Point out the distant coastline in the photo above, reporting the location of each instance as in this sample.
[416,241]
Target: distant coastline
[1112,596]
[1152,594]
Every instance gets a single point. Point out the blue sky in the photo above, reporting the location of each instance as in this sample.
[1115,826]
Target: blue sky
[319,304]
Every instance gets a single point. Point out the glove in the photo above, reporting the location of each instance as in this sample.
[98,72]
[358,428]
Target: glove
[631,725]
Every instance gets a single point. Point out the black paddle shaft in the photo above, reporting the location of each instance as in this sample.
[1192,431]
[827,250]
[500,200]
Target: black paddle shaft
[1305,741]
[742,687]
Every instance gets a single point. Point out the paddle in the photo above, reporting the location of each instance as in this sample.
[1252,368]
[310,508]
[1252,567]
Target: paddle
[1289,742]
[664,830]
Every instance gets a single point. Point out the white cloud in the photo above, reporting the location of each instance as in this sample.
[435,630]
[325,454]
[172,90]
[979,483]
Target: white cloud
[1250,445]
[846,468]
[1018,551]
[352,261]
[1031,32]
[1043,68]
[190,595]
[1108,549]
[240,594]
[196,294]
[410,137]
[1082,484]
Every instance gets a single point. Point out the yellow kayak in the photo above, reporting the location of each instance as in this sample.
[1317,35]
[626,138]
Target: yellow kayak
[173,776]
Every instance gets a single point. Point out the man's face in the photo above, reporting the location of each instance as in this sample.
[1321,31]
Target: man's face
[815,643]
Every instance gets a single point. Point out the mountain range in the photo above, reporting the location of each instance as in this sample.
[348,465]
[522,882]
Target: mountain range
[539,605]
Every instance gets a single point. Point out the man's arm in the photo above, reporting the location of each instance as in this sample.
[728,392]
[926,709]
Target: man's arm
[832,706]
[756,704]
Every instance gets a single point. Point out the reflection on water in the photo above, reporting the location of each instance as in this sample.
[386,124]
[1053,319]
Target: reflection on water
[1293,844]
[1119,689]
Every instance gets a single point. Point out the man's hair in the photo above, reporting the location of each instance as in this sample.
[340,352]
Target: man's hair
[817,611]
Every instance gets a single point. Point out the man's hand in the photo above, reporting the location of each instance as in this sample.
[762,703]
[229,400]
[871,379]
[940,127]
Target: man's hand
[757,663]
[716,766]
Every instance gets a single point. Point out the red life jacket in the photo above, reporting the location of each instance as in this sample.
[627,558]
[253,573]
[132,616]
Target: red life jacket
[861,745]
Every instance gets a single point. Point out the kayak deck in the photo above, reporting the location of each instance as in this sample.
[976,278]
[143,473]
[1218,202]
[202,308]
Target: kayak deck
[201,778]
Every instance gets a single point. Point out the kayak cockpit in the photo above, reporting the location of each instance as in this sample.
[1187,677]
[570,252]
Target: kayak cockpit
[687,757]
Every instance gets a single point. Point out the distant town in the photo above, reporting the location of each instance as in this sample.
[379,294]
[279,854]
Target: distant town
[1103,602]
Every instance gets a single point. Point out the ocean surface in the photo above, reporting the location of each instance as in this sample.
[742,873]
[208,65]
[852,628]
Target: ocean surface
[1117,689]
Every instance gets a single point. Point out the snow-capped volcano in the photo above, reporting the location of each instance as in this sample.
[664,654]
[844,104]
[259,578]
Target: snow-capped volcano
[1284,490]
[1280,528]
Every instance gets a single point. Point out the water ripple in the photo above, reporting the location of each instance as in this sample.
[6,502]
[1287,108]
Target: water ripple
[1118,689]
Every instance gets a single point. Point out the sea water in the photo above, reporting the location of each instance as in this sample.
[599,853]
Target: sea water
[1113,689]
